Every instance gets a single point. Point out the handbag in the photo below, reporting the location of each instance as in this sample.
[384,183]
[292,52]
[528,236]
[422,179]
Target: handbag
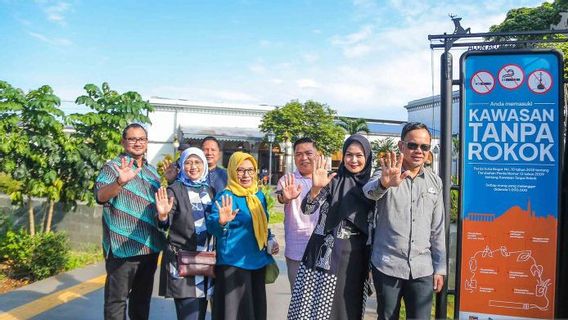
[271,272]
[196,263]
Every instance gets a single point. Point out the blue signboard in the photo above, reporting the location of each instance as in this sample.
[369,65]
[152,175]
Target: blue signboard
[510,165]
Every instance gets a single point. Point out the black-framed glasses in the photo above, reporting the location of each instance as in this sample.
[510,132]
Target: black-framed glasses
[136,140]
[414,146]
[241,172]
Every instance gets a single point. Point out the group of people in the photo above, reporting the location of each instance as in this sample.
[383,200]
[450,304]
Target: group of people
[339,228]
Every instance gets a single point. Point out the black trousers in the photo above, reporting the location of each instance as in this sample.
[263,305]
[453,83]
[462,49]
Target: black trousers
[417,294]
[239,294]
[129,279]
[191,308]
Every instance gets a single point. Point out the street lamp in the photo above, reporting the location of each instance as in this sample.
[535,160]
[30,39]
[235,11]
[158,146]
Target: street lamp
[270,137]
[175,143]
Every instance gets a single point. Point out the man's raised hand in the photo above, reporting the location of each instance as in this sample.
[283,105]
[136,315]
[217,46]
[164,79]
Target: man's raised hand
[290,190]
[125,171]
[391,167]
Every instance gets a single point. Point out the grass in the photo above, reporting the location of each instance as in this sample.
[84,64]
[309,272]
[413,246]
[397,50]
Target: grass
[276,217]
[450,313]
[81,258]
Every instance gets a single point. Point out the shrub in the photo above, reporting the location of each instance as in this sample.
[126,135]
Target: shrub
[270,201]
[50,254]
[34,257]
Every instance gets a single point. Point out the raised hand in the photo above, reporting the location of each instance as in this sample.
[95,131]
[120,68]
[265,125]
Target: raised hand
[391,167]
[290,190]
[226,213]
[163,204]
[320,178]
[170,170]
[125,171]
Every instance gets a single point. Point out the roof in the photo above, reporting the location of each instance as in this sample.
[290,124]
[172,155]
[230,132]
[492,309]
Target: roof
[223,133]
[385,128]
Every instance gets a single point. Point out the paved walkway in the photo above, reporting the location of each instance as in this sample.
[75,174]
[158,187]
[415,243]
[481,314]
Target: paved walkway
[79,295]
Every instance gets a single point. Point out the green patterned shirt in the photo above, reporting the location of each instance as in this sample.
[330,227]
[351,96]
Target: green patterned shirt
[129,219]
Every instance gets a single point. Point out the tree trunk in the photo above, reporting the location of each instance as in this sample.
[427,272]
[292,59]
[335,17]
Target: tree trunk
[49,216]
[31,216]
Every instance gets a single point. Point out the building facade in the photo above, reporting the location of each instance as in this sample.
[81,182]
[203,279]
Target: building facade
[236,126]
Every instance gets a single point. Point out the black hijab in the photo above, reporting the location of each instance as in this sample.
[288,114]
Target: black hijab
[347,198]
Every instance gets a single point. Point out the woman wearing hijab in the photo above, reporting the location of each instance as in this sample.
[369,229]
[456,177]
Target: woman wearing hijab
[332,280]
[182,209]
[239,221]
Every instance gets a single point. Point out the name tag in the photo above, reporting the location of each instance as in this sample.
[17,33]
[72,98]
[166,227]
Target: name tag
[431,190]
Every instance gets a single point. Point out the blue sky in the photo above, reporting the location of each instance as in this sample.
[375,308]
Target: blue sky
[363,58]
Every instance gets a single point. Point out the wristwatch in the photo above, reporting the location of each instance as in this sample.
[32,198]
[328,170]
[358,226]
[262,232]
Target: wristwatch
[120,185]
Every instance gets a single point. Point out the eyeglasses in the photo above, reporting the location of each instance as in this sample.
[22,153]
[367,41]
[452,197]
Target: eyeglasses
[414,146]
[136,140]
[241,172]
[190,164]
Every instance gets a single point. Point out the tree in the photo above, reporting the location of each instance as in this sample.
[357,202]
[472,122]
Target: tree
[98,133]
[311,119]
[35,145]
[353,126]
[383,146]
[538,18]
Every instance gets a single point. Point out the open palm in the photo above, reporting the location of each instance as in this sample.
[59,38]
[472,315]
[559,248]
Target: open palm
[391,168]
[163,204]
[290,190]
[320,178]
[226,213]
[126,172]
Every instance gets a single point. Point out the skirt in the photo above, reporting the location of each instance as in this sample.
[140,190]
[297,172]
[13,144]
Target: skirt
[333,279]
[239,294]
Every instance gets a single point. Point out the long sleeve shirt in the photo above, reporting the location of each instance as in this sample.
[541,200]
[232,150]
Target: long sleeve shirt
[236,242]
[298,227]
[409,238]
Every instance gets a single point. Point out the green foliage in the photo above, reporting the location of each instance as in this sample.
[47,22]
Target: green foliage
[353,126]
[537,18]
[276,217]
[310,119]
[454,201]
[381,147]
[270,200]
[98,134]
[34,257]
[8,185]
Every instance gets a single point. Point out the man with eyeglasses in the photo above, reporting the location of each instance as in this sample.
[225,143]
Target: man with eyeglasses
[291,189]
[408,246]
[131,240]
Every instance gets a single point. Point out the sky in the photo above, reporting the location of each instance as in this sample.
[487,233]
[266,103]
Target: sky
[363,58]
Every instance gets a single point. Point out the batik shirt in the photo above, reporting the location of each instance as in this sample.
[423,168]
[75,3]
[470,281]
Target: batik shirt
[129,219]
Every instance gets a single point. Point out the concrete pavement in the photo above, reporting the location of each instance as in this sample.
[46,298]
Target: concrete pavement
[79,295]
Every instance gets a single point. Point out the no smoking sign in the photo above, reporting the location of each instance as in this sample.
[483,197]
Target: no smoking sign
[482,82]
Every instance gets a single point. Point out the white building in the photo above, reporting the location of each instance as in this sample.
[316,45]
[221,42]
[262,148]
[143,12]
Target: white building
[236,126]
[427,111]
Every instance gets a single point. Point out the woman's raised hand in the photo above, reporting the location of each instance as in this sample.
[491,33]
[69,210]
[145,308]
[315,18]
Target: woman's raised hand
[320,178]
[226,213]
[163,204]
[391,167]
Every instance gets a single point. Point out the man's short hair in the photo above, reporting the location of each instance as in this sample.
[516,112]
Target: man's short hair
[133,125]
[413,126]
[304,140]
[211,138]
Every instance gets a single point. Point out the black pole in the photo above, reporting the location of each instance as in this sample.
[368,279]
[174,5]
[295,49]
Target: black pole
[445,169]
